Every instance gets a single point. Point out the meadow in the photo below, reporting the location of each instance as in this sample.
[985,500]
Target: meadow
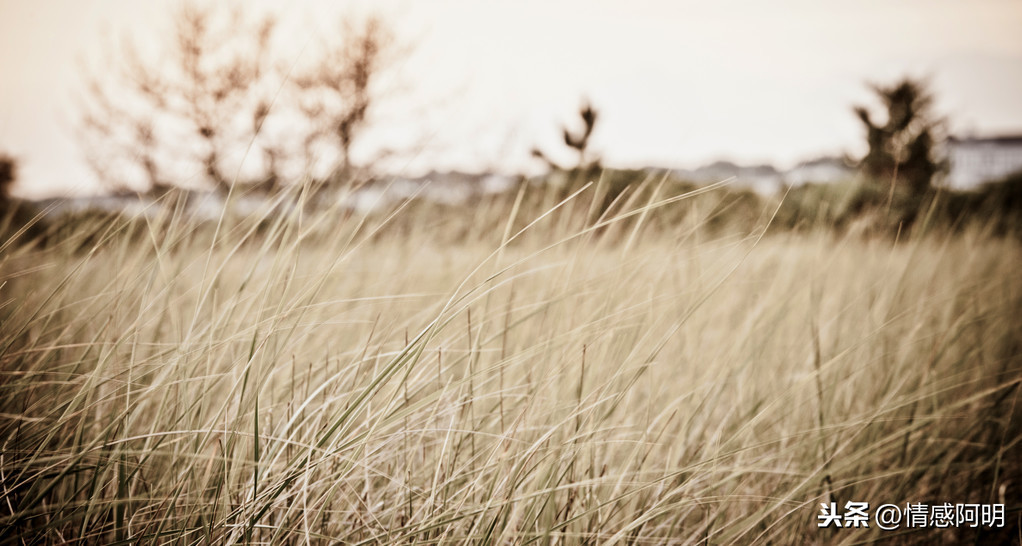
[521,371]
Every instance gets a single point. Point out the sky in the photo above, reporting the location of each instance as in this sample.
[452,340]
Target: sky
[677,83]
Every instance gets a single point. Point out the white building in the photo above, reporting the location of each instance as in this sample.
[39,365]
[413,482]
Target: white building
[827,169]
[978,160]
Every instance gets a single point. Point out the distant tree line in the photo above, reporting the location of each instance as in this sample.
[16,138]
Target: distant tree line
[898,186]
[210,107]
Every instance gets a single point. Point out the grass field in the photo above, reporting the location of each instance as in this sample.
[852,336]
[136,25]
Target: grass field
[414,378]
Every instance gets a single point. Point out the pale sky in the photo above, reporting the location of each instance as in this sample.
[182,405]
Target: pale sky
[677,83]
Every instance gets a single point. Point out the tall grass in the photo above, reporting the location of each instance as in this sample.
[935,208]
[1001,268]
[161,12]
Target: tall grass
[330,378]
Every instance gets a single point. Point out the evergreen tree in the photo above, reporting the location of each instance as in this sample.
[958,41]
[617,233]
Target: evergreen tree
[8,170]
[902,148]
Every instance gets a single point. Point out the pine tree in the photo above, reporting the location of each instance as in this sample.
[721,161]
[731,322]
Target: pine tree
[8,170]
[902,148]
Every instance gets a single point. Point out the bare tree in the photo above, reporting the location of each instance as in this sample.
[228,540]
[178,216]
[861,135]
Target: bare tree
[204,104]
[337,93]
[577,141]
